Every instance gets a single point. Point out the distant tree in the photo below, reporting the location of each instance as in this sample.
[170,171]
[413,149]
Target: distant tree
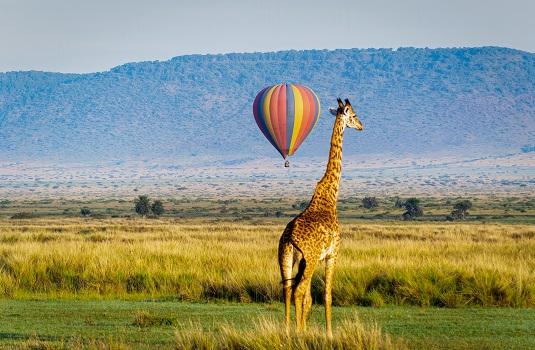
[23,215]
[369,202]
[398,203]
[460,210]
[142,205]
[463,205]
[412,209]
[85,212]
[157,208]
[301,205]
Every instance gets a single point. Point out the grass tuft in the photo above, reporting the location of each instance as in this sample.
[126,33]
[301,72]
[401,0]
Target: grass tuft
[268,334]
[145,319]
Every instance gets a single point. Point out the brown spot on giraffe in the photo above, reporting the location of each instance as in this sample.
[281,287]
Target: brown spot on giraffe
[314,235]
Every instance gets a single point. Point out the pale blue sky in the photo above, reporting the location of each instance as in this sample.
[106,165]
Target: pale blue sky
[95,35]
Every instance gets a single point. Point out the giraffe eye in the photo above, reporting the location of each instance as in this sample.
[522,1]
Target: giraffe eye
[346,110]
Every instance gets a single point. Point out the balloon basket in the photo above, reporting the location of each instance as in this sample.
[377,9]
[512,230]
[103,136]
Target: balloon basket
[287,164]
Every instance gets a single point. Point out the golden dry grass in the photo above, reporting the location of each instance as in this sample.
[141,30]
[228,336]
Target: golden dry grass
[267,334]
[441,264]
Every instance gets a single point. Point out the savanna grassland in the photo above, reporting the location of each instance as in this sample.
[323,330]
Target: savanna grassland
[424,264]
[206,276]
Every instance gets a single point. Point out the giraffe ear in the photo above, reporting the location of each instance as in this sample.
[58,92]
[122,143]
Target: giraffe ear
[333,111]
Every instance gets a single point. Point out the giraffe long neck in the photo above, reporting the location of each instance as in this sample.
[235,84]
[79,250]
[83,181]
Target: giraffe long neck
[326,193]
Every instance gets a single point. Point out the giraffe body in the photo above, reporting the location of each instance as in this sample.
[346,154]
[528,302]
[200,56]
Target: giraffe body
[314,234]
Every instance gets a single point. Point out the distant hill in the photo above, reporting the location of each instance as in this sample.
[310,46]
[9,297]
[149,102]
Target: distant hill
[410,100]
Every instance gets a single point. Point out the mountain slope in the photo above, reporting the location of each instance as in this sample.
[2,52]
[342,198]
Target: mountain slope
[410,100]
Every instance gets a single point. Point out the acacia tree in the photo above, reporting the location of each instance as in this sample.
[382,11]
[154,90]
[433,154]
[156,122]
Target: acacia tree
[157,208]
[369,202]
[460,210]
[398,203]
[412,209]
[301,205]
[142,205]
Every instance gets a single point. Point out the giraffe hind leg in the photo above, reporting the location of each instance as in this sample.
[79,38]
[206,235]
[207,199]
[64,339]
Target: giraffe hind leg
[307,303]
[302,292]
[286,262]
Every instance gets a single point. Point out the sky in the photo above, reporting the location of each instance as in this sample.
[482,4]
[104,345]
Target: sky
[96,35]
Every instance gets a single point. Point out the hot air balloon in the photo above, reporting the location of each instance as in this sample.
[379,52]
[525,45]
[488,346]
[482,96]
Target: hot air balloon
[286,114]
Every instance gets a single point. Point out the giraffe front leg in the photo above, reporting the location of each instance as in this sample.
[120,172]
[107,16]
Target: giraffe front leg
[329,272]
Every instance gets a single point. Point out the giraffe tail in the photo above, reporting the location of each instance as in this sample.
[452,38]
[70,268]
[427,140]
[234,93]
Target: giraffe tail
[295,280]
[287,261]
[300,271]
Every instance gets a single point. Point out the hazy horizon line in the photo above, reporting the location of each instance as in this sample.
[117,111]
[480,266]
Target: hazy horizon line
[264,52]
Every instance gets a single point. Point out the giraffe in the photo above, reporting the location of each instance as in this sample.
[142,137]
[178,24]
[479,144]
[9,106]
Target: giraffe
[314,235]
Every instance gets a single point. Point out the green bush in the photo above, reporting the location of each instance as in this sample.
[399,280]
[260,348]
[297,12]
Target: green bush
[23,216]
[412,209]
[142,205]
[139,282]
[460,210]
[157,208]
[369,202]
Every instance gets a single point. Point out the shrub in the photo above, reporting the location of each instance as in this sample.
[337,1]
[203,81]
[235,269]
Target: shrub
[460,210]
[139,282]
[23,215]
[301,205]
[144,319]
[412,209]
[157,208]
[369,202]
[373,298]
[85,212]
[142,205]
[398,203]
[464,205]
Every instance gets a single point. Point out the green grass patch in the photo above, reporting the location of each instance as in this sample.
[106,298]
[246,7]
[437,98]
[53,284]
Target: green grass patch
[154,325]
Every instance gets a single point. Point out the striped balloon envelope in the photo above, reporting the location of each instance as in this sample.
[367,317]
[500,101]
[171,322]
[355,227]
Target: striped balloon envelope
[286,114]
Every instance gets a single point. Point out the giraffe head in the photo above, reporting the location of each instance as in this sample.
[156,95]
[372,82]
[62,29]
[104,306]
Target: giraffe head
[345,111]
